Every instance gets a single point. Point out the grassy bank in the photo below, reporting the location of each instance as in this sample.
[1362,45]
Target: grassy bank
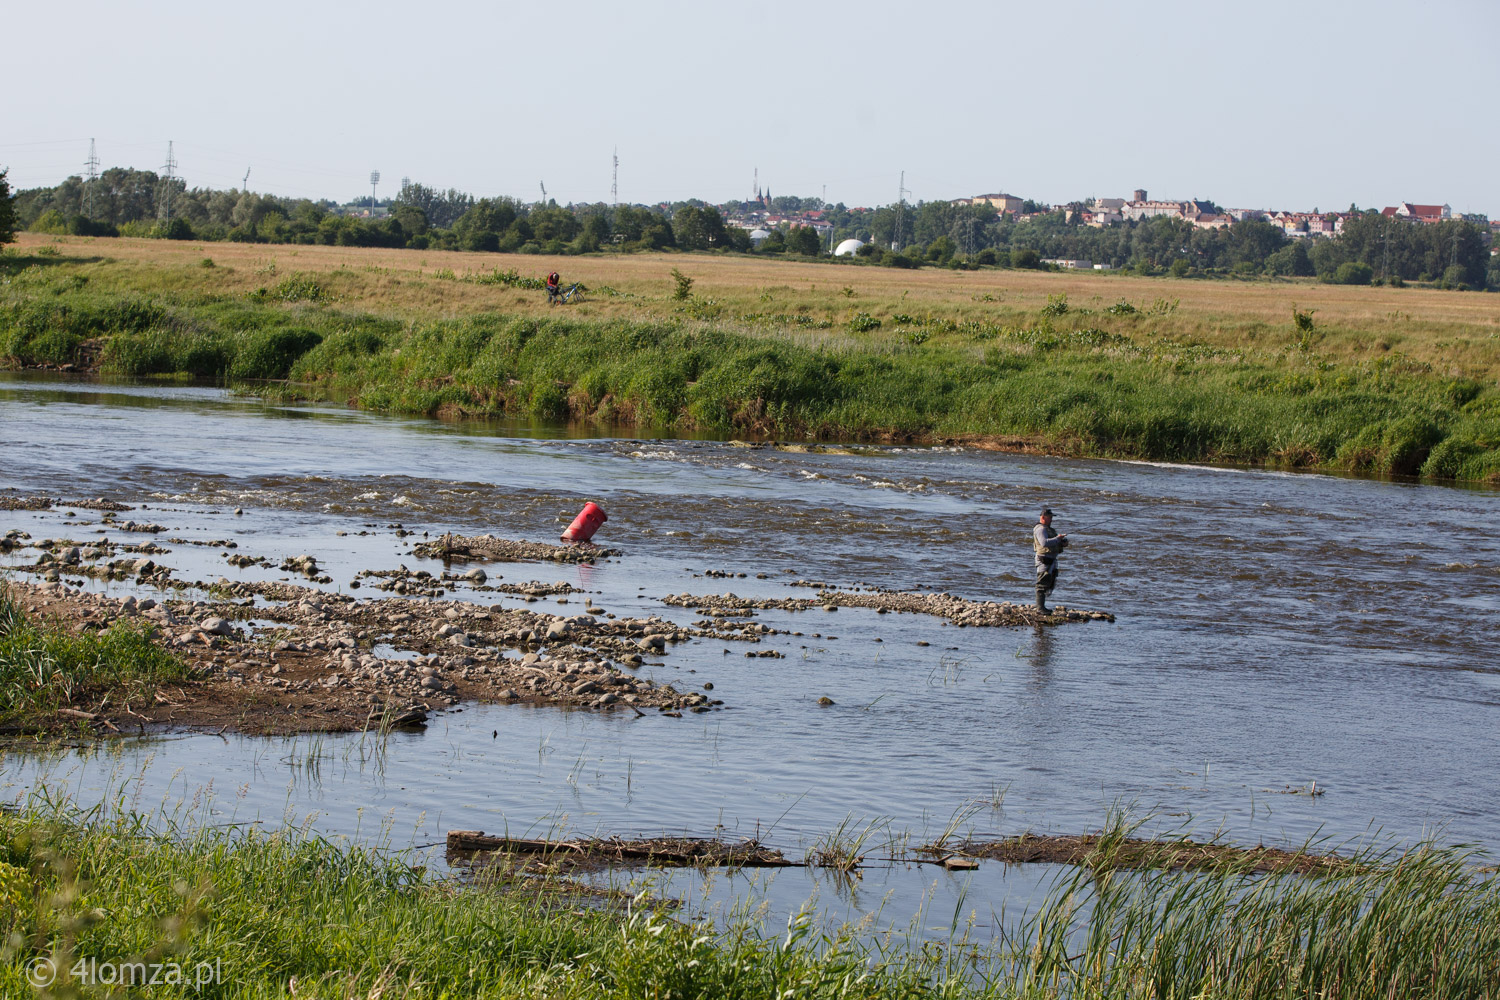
[45,666]
[1367,380]
[270,910]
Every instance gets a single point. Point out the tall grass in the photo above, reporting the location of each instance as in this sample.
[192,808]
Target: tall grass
[356,922]
[1421,924]
[363,921]
[44,667]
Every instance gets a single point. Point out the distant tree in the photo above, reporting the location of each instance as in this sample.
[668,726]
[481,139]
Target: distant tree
[1252,241]
[177,229]
[775,243]
[1291,260]
[7,209]
[941,249]
[804,240]
[1025,257]
[688,229]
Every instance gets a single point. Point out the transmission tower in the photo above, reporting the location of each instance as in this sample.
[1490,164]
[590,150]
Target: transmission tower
[900,213]
[245,184]
[93,167]
[544,193]
[374,180]
[614,183]
[168,172]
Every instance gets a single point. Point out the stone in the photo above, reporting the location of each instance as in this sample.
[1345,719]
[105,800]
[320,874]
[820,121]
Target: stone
[825,700]
[217,626]
[557,630]
[476,575]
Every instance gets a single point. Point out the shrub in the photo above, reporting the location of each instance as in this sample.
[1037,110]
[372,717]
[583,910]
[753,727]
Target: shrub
[50,222]
[1027,258]
[863,323]
[1456,278]
[271,353]
[684,289]
[1353,272]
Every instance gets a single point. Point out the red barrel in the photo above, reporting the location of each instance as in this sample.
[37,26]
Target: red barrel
[585,524]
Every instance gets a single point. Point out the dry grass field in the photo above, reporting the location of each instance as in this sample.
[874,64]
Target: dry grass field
[1457,333]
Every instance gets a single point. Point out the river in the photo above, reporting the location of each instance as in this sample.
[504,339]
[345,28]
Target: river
[1295,657]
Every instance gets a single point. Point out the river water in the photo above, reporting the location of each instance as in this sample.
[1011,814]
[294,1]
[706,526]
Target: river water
[1277,636]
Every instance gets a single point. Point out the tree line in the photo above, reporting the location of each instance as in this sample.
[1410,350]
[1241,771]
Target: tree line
[1372,247]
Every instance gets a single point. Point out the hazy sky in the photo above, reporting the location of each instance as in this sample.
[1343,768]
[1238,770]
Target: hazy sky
[1268,104]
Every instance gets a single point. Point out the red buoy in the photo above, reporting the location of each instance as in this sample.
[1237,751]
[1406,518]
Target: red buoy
[586,523]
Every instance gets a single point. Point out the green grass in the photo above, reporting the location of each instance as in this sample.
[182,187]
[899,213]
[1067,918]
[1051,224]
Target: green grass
[349,921]
[1076,382]
[44,667]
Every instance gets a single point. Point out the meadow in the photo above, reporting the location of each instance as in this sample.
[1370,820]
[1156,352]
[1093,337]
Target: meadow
[1288,373]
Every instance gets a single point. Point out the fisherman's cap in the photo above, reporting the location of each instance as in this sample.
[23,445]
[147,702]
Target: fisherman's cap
[1047,512]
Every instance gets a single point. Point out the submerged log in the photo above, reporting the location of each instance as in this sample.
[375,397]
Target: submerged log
[663,851]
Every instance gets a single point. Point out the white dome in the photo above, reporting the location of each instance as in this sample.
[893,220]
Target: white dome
[847,247]
[759,235]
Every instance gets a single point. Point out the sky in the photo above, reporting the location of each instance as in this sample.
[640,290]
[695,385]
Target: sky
[1271,104]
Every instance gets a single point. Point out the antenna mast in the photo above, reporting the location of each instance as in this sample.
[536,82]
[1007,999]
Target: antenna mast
[374,180]
[614,183]
[245,184]
[93,167]
[168,170]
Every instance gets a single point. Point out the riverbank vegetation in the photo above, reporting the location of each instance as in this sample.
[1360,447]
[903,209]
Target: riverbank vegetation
[1296,374]
[46,667]
[288,913]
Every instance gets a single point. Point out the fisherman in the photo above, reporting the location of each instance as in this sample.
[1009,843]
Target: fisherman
[1047,544]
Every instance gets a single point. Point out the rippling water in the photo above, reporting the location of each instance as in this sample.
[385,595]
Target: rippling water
[1273,631]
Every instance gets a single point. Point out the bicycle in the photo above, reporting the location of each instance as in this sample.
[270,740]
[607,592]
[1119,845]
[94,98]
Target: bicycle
[573,293]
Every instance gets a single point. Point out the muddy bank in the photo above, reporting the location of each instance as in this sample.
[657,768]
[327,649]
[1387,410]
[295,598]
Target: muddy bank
[954,610]
[322,662]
